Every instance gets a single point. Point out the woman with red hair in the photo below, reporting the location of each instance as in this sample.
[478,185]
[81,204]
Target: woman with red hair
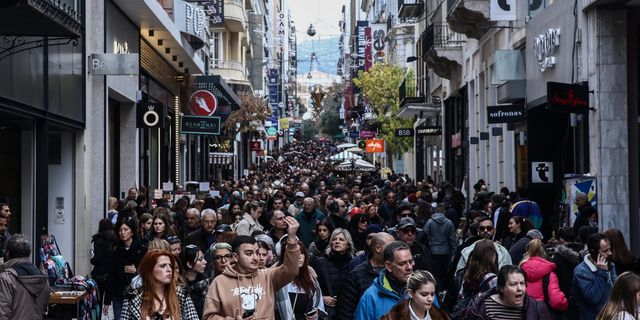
[159,297]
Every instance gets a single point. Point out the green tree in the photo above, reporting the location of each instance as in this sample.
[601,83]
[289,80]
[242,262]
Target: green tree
[330,121]
[309,131]
[380,86]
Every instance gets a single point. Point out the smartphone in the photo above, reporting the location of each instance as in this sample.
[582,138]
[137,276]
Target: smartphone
[248,313]
[311,313]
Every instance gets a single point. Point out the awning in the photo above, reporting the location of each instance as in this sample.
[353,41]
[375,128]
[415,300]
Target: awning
[40,18]
[346,145]
[344,155]
[221,158]
[155,24]
[357,165]
[219,87]
[411,110]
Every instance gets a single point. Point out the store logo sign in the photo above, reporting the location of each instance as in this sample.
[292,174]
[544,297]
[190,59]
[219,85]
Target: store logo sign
[545,47]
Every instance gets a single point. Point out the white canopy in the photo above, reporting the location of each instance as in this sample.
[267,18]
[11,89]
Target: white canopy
[354,149]
[344,155]
[346,145]
[358,165]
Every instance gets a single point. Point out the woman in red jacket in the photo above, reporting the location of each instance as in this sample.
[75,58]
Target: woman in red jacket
[540,273]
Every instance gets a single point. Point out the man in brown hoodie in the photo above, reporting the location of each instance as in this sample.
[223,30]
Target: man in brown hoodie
[243,291]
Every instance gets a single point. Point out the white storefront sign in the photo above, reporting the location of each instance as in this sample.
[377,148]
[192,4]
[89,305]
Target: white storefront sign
[502,10]
[545,47]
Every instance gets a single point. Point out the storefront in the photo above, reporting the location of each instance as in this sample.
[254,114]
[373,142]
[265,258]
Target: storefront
[557,107]
[42,90]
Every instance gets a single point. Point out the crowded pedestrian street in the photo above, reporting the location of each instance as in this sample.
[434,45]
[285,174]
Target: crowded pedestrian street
[319,160]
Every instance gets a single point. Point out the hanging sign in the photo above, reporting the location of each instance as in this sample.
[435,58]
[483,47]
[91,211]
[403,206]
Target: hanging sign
[374,146]
[566,97]
[429,131]
[505,114]
[203,103]
[200,125]
[502,10]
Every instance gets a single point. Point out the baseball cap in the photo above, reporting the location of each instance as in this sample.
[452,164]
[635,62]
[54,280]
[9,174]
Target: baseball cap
[222,228]
[406,222]
[299,194]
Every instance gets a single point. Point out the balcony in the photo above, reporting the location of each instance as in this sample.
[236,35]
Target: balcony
[442,50]
[469,17]
[231,71]
[410,8]
[234,15]
[410,105]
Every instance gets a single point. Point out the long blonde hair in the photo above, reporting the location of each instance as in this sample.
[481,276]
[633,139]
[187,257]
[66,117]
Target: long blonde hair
[622,298]
[534,249]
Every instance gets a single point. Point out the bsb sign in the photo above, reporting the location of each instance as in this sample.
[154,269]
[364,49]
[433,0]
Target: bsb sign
[566,97]
[404,132]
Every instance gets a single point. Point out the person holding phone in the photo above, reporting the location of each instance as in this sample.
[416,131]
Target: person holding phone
[593,278]
[243,291]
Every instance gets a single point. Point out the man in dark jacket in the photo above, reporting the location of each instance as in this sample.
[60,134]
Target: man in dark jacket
[566,258]
[362,276]
[24,290]
[440,234]
[205,236]
[337,209]
[308,219]
[407,232]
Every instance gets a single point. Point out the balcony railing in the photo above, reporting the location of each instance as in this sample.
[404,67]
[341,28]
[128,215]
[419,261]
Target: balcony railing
[450,5]
[229,64]
[439,35]
[410,8]
[408,93]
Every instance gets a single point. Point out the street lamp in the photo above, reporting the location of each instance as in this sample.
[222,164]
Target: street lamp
[311,31]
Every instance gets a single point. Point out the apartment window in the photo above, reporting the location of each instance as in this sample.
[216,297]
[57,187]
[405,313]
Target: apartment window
[537,6]
[216,48]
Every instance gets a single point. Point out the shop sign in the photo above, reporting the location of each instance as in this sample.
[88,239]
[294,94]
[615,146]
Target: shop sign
[150,115]
[456,140]
[203,103]
[114,64]
[404,132]
[505,114]
[283,123]
[281,29]
[190,19]
[362,144]
[200,125]
[566,97]
[502,10]
[542,172]
[365,134]
[374,146]
[215,10]
[545,47]
[429,131]
[271,131]
[378,35]
[362,46]
[368,58]
[256,145]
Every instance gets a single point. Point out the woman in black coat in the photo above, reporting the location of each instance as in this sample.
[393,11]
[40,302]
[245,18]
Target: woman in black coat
[103,243]
[127,255]
[332,270]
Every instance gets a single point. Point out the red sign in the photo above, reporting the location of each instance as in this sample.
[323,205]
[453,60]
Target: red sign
[367,134]
[368,62]
[256,145]
[375,146]
[203,103]
[566,97]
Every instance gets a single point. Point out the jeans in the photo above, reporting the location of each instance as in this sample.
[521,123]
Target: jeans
[117,307]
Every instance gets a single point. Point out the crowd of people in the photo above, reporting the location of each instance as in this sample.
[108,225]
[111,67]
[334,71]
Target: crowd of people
[295,240]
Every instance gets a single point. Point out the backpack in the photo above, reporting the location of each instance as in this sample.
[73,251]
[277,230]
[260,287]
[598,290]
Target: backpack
[467,301]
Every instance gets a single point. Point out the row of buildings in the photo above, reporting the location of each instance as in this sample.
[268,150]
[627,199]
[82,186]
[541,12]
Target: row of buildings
[98,97]
[535,94]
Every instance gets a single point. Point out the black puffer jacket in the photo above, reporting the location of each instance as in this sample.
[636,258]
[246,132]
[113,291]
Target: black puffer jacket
[332,272]
[117,279]
[358,280]
[103,243]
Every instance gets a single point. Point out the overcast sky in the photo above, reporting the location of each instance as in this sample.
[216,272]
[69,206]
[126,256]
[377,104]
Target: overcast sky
[323,14]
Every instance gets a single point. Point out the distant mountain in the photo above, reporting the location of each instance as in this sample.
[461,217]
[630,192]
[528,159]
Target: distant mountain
[326,50]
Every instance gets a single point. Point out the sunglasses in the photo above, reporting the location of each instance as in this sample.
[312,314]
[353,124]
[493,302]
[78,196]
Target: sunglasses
[485,228]
[224,257]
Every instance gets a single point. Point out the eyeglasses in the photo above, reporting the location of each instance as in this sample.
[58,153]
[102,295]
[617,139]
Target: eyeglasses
[409,230]
[225,257]
[485,228]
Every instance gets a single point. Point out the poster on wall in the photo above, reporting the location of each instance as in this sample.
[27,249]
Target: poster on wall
[573,185]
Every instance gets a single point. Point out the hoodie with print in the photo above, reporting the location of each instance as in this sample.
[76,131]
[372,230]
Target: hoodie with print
[252,292]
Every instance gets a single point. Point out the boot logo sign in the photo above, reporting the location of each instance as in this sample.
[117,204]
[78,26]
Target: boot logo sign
[542,172]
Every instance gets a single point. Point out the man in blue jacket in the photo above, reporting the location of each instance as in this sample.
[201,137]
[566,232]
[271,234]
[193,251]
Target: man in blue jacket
[594,277]
[389,287]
